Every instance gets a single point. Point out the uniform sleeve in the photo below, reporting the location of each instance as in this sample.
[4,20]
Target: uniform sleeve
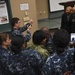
[70,62]
[47,68]
[24,28]
[49,46]
[5,61]
[27,37]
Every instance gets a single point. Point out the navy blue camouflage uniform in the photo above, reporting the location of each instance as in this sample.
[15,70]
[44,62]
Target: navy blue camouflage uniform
[73,73]
[19,31]
[5,57]
[59,64]
[28,62]
[49,45]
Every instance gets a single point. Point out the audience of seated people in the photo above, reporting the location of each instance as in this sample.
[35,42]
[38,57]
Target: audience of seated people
[62,60]
[25,62]
[46,55]
[19,60]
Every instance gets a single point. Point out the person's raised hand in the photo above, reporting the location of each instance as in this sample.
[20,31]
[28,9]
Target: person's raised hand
[31,21]
[29,28]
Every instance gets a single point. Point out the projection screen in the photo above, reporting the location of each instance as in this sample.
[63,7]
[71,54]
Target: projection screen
[54,5]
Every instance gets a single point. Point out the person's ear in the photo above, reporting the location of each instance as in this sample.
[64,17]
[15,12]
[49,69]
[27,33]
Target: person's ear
[24,45]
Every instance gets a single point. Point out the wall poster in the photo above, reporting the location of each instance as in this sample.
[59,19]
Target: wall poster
[3,14]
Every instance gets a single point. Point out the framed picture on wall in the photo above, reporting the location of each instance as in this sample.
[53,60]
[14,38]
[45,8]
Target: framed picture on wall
[3,13]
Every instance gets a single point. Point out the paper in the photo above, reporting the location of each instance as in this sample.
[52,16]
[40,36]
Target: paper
[24,6]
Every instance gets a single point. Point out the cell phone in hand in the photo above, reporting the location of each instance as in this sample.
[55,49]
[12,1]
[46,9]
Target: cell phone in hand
[28,24]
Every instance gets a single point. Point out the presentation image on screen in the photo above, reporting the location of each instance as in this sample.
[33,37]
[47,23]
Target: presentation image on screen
[73,37]
[54,5]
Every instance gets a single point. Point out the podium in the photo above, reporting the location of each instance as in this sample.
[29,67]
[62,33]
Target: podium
[69,3]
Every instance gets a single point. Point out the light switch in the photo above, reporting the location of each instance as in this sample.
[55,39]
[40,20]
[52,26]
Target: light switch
[26,19]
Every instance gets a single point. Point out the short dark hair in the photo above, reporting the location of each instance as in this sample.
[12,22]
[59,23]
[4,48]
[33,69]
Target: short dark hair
[16,43]
[38,37]
[14,20]
[61,39]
